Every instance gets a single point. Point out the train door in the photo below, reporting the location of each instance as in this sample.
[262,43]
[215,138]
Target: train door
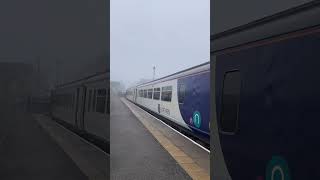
[83,108]
[77,107]
[79,111]
[108,101]
[135,95]
[229,85]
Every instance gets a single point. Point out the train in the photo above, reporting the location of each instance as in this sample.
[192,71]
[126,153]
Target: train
[83,106]
[265,97]
[182,98]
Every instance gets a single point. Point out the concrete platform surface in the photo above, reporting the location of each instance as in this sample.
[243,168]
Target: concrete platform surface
[28,152]
[135,153]
[92,161]
[194,159]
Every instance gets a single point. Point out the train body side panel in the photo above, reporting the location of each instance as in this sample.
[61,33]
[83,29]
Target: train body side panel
[279,109]
[196,81]
[96,123]
[169,110]
[61,113]
[64,113]
[91,121]
[195,106]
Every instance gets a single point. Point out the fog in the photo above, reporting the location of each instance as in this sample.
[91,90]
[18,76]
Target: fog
[170,35]
[61,40]
[44,43]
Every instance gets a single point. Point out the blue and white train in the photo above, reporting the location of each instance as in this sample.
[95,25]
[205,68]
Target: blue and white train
[266,93]
[182,98]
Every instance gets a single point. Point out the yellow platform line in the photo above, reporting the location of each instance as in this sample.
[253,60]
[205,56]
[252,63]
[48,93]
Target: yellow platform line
[185,161]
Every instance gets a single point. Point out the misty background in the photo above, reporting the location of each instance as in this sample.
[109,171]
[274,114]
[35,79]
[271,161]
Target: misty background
[170,35]
[44,43]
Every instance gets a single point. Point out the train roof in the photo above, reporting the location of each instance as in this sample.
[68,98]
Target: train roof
[277,23]
[94,77]
[193,70]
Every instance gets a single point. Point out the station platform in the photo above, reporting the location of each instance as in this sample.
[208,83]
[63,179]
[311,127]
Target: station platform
[28,152]
[91,160]
[142,147]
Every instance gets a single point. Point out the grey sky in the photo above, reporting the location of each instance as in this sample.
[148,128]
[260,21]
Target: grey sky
[170,34]
[74,32]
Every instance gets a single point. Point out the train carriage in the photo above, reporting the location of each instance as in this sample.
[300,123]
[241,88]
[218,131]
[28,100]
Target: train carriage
[182,98]
[84,106]
[265,95]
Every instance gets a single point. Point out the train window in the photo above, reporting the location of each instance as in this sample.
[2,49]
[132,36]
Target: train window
[230,102]
[181,93]
[65,100]
[108,102]
[166,93]
[89,100]
[69,101]
[101,100]
[102,92]
[150,91]
[156,93]
[129,92]
[72,100]
[140,93]
[94,99]
[145,93]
